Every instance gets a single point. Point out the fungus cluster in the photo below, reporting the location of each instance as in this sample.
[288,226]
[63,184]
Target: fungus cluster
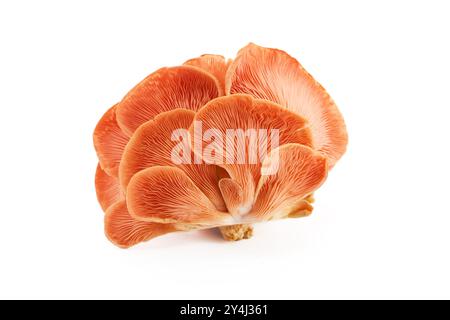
[159,173]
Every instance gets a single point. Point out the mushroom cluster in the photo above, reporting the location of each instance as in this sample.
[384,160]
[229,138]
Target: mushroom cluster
[167,162]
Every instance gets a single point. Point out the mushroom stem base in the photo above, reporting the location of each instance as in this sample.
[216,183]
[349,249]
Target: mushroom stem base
[237,232]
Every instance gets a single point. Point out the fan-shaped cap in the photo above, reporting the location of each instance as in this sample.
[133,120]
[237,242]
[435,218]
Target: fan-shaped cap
[274,75]
[164,90]
[167,195]
[125,231]
[107,188]
[109,142]
[301,171]
[214,64]
[153,145]
[238,116]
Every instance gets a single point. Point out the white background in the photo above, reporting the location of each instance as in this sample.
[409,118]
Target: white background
[381,227]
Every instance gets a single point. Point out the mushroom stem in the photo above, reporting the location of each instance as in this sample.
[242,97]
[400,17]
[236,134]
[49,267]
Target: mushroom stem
[237,232]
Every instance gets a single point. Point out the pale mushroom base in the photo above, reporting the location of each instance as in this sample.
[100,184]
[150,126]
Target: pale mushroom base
[237,232]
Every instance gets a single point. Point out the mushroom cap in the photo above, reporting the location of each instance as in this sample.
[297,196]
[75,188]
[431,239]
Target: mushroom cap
[158,174]
[274,75]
